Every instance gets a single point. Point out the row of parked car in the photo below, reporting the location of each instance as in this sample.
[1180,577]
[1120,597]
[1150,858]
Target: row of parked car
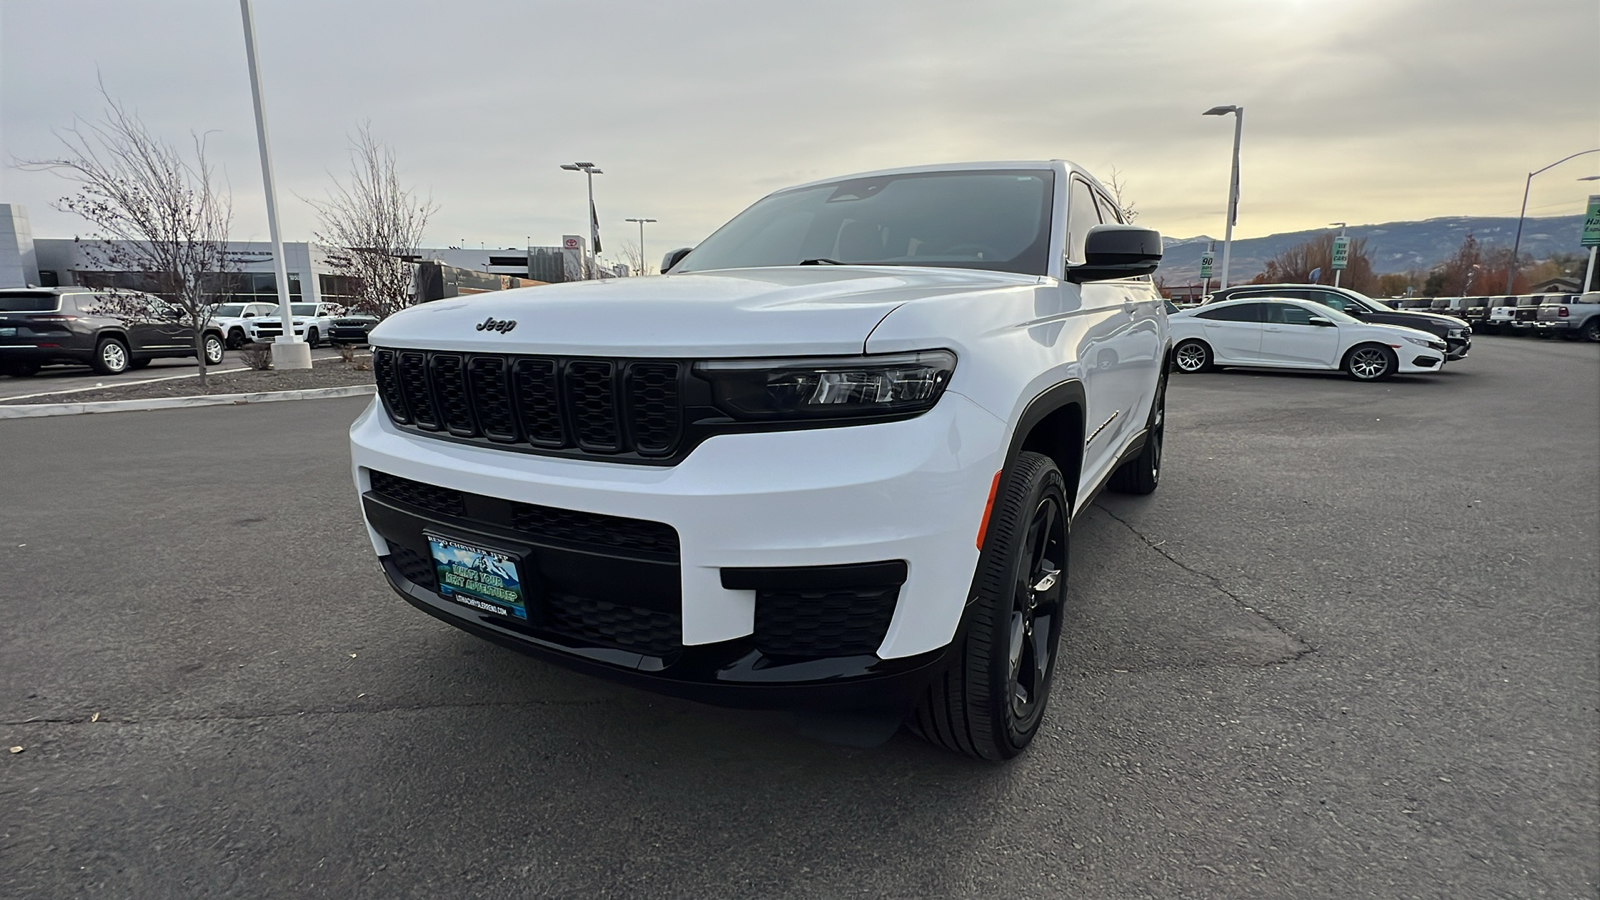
[1302,326]
[113,331]
[1571,316]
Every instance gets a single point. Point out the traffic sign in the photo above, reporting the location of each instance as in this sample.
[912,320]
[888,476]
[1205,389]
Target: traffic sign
[1341,252]
[1591,222]
[1207,260]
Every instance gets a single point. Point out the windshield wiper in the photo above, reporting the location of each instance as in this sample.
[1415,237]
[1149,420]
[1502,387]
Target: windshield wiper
[820,261]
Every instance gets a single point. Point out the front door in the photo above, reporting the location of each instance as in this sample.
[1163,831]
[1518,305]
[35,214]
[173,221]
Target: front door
[1289,339]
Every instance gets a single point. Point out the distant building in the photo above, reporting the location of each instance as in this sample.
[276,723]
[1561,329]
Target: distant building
[1556,286]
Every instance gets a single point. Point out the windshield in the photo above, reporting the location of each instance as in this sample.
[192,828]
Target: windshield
[230,310]
[29,302]
[303,309]
[994,220]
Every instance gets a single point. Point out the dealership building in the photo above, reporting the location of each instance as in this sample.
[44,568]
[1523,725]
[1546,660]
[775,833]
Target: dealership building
[54,262]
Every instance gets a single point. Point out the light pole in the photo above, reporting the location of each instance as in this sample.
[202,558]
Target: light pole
[1511,270]
[1233,185]
[288,352]
[1336,269]
[589,169]
[642,257]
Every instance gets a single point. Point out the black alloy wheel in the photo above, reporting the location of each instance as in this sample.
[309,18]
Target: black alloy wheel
[235,338]
[312,339]
[1142,474]
[990,701]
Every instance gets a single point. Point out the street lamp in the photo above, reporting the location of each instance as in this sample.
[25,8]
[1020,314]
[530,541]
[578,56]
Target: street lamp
[1336,270]
[1233,184]
[642,256]
[589,169]
[288,351]
[1511,270]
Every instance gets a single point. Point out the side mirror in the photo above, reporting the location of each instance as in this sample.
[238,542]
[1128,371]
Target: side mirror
[249,315]
[1117,251]
[673,258]
[1325,323]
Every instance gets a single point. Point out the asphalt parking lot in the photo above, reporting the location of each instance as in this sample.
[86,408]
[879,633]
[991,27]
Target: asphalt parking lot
[1351,648]
[65,379]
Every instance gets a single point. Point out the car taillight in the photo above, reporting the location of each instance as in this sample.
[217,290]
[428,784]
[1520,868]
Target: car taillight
[1561,311]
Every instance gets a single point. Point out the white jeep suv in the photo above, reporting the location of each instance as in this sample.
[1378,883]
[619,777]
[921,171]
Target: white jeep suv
[827,463]
[312,321]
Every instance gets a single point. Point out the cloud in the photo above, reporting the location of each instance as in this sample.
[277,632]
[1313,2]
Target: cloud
[1359,110]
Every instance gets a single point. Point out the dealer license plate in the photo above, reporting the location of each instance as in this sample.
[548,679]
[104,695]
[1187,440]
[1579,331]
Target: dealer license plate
[478,577]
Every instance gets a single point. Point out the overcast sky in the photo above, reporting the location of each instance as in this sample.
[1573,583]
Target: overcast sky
[1360,110]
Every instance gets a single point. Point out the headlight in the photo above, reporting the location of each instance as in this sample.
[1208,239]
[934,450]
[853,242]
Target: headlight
[1420,342]
[826,387]
[1458,332]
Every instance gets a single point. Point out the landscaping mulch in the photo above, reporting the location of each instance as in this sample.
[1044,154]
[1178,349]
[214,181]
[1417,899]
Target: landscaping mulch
[324,373]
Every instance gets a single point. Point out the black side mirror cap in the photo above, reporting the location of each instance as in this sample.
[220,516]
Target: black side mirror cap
[673,258]
[1117,251]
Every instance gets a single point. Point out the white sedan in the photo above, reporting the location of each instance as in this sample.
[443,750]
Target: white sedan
[1270,332]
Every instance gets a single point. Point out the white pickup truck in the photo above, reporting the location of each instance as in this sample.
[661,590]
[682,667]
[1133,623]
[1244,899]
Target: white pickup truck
[1573,316]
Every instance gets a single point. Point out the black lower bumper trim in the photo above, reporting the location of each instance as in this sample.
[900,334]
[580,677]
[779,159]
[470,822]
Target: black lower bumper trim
[729,673]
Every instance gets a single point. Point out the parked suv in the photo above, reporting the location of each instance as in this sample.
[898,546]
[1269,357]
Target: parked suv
[312,321]
[1456,333]
[1573,316]
[112,331]
[828,462]
[231,318]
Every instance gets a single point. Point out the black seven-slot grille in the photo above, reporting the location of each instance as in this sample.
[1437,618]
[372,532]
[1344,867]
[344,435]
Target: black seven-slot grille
[608,407]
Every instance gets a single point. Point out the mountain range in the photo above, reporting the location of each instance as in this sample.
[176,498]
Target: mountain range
[1391,246]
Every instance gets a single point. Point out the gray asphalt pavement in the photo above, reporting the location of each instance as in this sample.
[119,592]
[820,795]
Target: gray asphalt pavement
[1351,648]
[72,378]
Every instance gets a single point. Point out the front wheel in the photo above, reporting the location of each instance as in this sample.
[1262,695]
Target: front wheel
[235,339]
[990,701]
[1370,362]
[212,346]
[1192,356]
[312,339]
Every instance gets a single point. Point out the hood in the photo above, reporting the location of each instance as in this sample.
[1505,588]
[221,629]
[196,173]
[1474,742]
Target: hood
[1435,317]
[792,310]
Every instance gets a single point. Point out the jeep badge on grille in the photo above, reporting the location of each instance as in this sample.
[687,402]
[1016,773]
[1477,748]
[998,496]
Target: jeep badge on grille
[500,325]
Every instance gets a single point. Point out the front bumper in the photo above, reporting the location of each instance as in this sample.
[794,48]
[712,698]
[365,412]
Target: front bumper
[1414,359]
[912,490]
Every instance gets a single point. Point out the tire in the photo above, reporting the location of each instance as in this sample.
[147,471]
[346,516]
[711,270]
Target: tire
[1370,362]
[312,339]
[1142,474]
[1192,356]
[235,339]
[20,369]
[138,363]
[991,699]
[111,357]
[1591,330]
[212,346]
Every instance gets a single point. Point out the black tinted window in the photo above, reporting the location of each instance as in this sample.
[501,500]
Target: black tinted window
[27,301]
[1082,215]
[1243,312]
[996,220]
[1287,314]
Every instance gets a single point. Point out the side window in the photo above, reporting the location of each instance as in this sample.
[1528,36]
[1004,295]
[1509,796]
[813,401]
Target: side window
[1081,216]
[1332,300]
[1243,312]
[1287,314]
[1108,210]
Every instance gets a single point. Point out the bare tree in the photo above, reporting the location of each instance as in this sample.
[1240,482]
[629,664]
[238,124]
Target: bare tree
[160,222]
[634,257]
[371,228]
[1117,186]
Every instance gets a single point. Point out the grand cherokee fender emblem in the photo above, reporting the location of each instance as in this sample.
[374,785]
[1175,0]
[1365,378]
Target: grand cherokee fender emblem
[500,325]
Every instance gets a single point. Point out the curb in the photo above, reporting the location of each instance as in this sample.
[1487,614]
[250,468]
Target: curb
[41,410]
